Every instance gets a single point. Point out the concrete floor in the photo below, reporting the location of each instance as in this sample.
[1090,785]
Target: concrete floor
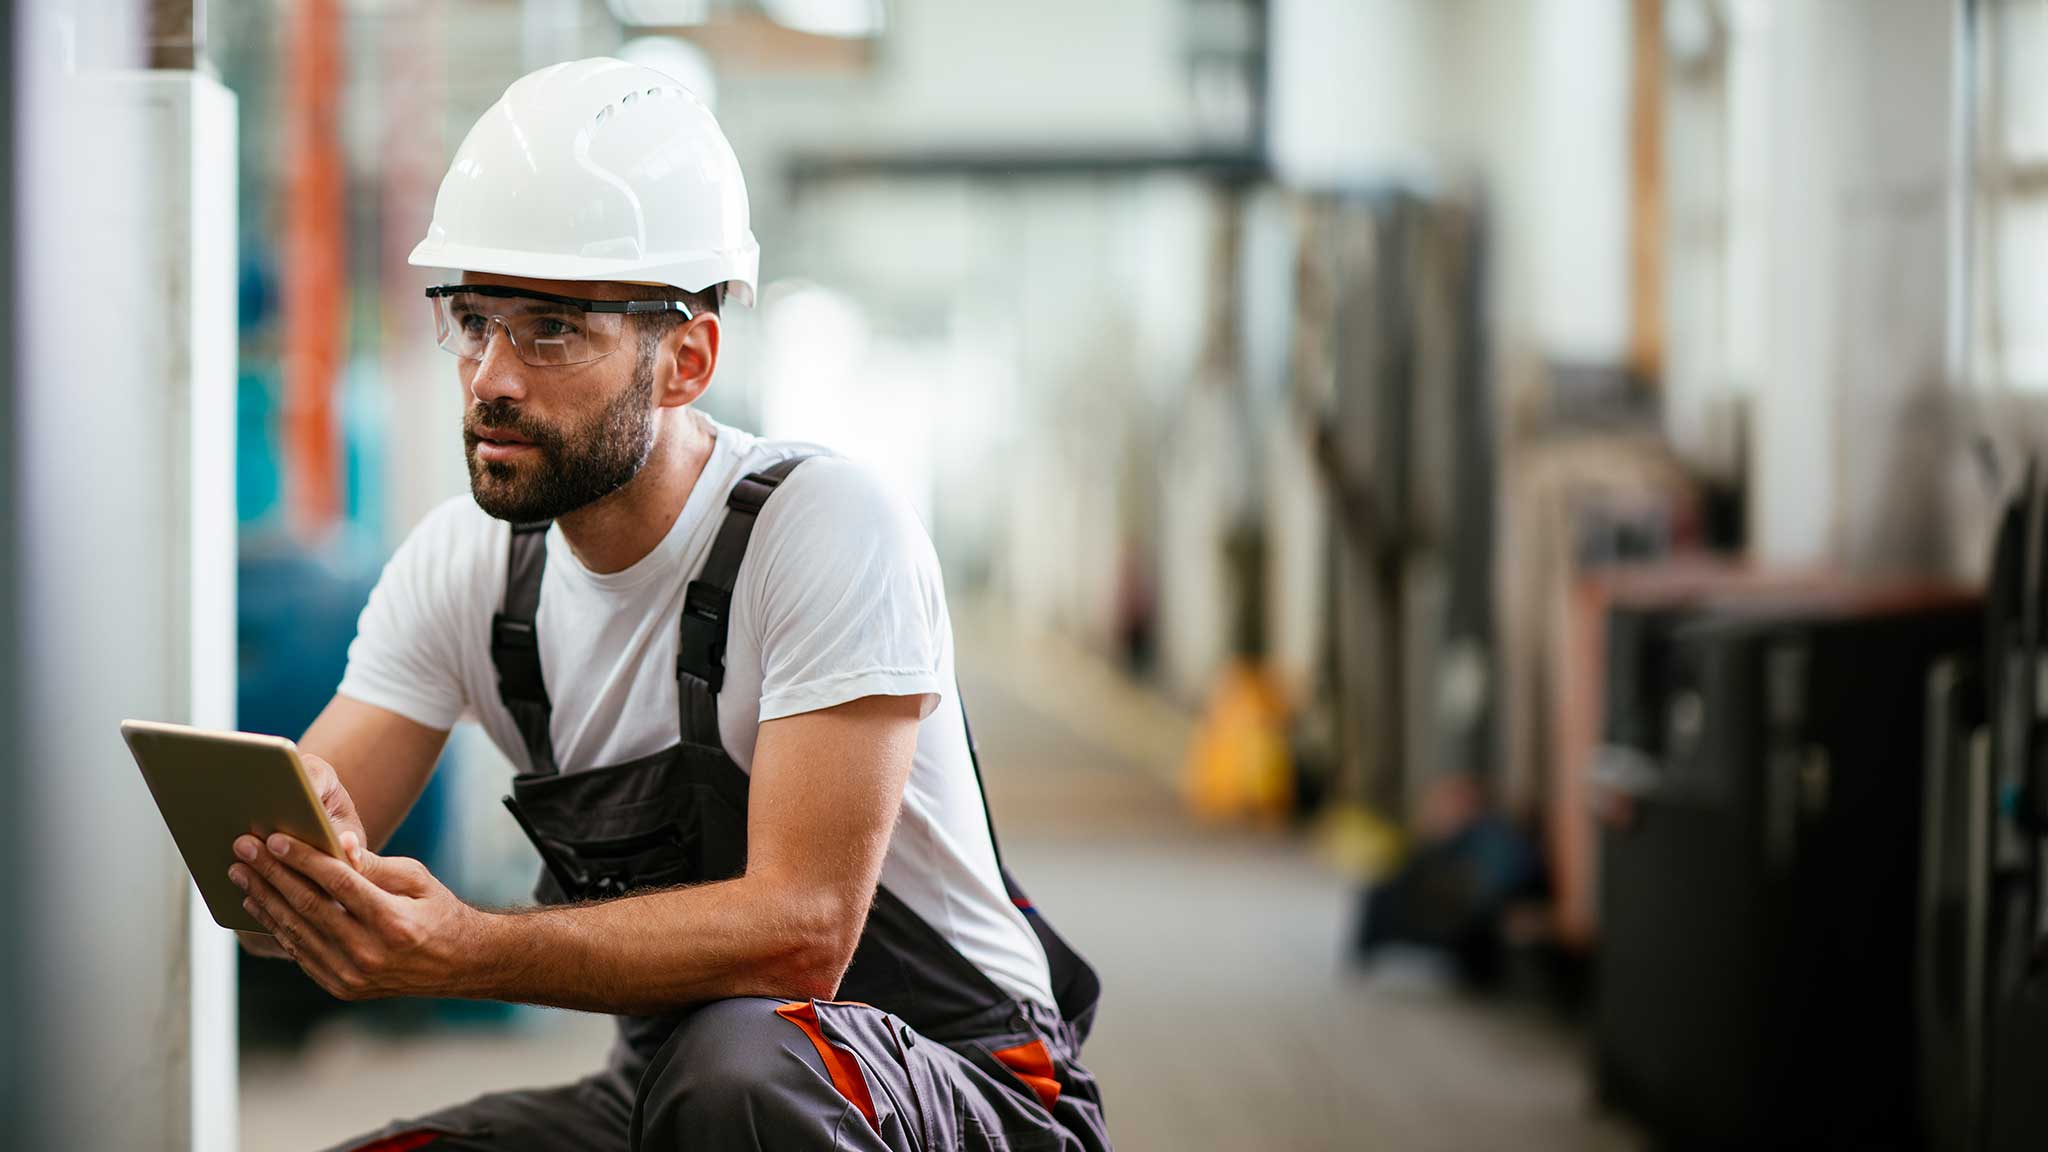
[1227,1023]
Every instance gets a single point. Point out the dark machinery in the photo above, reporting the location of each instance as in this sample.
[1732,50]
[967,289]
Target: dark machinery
[1756,975]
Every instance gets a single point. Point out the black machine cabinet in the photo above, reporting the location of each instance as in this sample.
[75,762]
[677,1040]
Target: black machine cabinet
[1983,977]
[1758,902]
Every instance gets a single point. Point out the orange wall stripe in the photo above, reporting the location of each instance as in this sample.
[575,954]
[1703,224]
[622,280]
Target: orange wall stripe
[1033,1064]
[315,263]
[844,1067]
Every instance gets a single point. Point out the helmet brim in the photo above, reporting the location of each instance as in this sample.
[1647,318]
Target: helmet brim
[737,269]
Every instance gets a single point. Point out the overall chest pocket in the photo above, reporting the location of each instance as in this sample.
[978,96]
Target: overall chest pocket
[651,857]
[651,823]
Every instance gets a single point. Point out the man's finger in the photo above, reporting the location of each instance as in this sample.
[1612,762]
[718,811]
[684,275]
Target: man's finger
[298,947]
[363,899]
[309,901]
[334,798]
[321,775]
[401,874]
[259,944]
[255,909]
[273,912]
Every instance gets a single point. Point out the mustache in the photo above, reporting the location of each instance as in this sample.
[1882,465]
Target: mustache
[507,417]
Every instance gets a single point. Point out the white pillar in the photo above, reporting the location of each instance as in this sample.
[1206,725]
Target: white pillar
[1573,152]
[1792,501]
[1854,196]
[124,458]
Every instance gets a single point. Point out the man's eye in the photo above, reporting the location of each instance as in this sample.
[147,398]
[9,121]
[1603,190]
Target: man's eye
[471,323]
[550,327]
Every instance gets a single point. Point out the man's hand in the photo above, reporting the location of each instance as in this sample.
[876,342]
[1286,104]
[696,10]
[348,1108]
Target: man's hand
[385,927]
[348,828]
[340,807]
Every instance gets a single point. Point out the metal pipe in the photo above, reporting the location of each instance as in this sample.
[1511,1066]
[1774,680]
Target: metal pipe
[176,35]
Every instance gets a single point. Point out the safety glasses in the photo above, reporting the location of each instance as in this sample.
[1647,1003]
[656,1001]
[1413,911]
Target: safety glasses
[546,330]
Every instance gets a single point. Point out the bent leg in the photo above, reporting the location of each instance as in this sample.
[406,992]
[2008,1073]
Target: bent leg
[756,1073]
[591,1113]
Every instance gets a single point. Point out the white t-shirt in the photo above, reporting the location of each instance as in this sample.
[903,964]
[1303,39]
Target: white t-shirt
[839,597]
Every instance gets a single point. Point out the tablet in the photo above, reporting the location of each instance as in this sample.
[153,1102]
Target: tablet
[215,786]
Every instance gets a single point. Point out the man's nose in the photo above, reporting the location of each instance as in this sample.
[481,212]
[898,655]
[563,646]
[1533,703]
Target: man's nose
[499,371]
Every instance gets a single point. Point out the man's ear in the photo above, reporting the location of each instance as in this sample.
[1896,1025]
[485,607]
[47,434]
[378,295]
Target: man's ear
[685,361]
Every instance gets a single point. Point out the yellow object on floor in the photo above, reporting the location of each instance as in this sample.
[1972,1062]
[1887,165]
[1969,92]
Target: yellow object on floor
[1359,842]
[1238,765]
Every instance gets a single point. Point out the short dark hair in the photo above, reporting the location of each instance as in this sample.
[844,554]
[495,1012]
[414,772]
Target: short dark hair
[703,300]
[654,326]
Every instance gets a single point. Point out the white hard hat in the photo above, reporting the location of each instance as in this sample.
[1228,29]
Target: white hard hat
[596,170]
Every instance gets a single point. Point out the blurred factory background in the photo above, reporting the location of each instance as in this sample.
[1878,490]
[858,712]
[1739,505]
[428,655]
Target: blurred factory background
[1495,543]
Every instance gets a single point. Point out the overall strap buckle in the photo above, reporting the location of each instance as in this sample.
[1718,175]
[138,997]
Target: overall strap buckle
[707,601]
[701,650]
[751,494]
[515,649]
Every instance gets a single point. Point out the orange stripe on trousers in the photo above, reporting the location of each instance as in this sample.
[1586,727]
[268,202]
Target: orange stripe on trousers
[839,1062]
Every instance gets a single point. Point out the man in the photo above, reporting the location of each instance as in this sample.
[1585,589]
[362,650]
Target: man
[725,670]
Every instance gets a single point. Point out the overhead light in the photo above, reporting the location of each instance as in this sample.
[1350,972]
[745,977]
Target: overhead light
[679,59]
[846,19]
[1695,32]
[659,13]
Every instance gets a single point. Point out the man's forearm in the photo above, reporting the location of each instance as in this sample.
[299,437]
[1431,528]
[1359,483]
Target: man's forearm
[663,950]
[382,760]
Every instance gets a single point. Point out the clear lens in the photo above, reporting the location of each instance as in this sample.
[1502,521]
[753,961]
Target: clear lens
[545,333]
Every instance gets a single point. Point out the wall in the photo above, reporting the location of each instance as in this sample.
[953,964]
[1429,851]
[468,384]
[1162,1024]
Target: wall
[1527,100]
[1057,321]
[1826,188]
[1852,283]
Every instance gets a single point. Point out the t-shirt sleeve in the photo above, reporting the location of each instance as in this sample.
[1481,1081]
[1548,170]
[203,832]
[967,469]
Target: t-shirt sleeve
[405,657]
[850,599]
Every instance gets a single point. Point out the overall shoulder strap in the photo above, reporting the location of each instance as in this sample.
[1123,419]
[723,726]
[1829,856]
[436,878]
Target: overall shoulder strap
[1075,985]
[707,604]
[515,645]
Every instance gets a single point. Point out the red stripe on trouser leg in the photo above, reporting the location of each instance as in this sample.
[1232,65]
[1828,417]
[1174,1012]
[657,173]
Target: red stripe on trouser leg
[404,1141]
[1033,1065]
[839,1062]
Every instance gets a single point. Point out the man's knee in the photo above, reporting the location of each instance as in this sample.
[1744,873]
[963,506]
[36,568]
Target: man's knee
[726,1045]
[729,1066]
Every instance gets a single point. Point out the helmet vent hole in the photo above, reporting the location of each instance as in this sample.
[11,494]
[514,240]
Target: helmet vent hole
[630,97]
[604,113]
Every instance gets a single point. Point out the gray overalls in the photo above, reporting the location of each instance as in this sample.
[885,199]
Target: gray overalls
[921,1050]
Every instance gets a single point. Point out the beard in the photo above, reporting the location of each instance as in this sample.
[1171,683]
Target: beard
[572,467]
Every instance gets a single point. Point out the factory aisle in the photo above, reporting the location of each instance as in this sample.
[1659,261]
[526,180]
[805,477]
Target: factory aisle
[1228,1022]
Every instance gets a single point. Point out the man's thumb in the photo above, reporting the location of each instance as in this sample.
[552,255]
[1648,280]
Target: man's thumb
[401,874]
